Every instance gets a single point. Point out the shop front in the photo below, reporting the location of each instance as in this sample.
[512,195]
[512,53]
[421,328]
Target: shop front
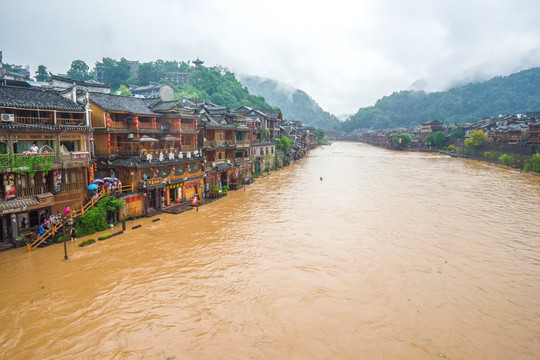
[20,219]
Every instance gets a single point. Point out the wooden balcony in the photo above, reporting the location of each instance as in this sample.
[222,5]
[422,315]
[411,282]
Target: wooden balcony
[26,120]
[242,143]
[189,147]
[76,122]
[34,120]
[73,187]
[119,125]
[146,126]
[31,191]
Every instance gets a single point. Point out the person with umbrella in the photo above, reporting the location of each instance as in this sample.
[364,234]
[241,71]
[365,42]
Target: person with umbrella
[93,189]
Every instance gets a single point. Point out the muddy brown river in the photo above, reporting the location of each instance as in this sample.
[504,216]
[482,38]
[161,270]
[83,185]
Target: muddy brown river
[392,255]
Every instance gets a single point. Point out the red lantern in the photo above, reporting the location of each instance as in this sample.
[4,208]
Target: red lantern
[179,124]
[154,123]
[196,125]
[108,140]
[108,120]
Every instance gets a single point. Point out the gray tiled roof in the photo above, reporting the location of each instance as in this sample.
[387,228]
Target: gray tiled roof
[30,98]
[273,114]
[164,106]
[132,105]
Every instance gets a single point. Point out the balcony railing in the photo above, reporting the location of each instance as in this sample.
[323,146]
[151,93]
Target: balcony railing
[188,127]
[73,187]
[240,160]
[31,191]
[146,126]
[220,143]
[27,120]
[79,156]
[242,143]
[189,147]
[77,122]
[34,120]
[118,125]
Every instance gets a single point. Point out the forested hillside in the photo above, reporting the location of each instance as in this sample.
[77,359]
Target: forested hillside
[294,104]
[514,94]
[216,84]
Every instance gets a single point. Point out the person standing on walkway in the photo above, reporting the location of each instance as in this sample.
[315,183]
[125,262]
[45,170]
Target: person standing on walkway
[41,230]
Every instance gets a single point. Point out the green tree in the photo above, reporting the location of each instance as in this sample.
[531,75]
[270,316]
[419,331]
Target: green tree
[506,159]
[458,132]
[428,140]
[79,71]
[42,74]
[147,72]
[401,140]
[95,219]
[439,139]
[123,91]
[284,143]
[476,138]
[534,164]
[115,72]
[321,137]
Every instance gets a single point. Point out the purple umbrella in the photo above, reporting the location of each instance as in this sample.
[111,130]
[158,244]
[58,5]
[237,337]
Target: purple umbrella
[98,181]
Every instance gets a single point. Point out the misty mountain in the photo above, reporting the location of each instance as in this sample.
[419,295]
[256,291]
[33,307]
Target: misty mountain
[514,94]
[294,104]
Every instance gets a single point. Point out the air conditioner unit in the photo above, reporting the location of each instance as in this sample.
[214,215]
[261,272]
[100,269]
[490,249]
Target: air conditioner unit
[8,117]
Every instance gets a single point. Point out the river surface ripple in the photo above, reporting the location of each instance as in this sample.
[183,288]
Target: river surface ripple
[391,255]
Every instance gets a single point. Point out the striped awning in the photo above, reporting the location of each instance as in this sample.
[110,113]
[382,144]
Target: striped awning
[18,203]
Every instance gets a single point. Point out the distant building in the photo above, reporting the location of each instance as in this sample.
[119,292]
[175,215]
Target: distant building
[18,73]
[430,127]
[154,91]
[63,83]
[176,77]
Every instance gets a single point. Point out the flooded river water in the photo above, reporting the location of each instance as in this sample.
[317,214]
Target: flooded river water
[392,255]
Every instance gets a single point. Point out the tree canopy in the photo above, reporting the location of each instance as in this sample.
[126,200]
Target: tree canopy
[476,138]
[401,140]
[79,71]
[42,74]
[284,143]
[457,132]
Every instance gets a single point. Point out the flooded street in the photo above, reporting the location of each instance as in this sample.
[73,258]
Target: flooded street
[392,255]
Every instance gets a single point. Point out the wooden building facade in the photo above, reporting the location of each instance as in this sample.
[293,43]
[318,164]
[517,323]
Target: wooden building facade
[44,159]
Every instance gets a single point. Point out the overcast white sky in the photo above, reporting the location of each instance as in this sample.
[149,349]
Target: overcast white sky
[346,54]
